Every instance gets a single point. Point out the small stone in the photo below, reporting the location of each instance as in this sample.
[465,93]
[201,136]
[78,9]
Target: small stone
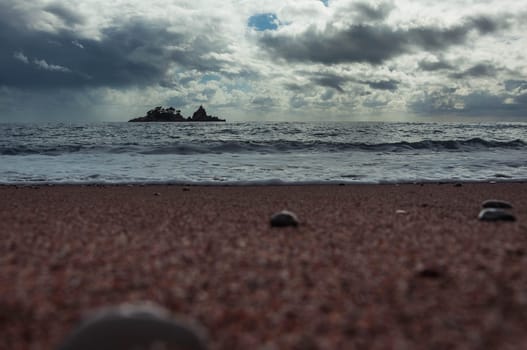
[493,214]
[429,273]
[401,212]
[496,203]
[134,327]
[284,218]
[157,194]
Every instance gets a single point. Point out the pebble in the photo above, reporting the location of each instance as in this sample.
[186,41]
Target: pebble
[429,273]
[401,212]
[284,218]
[157,194]
[134,327]
[493,214]
[496,203]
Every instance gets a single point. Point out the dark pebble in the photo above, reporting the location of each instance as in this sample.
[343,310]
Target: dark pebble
[429,273]
[134,327]
[157,194]
[493,214]
[284,218]
[496,203]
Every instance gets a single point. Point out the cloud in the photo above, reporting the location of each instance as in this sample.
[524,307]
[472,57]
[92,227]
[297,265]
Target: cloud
[477,71]
[372,44]
[449,101]
[21,57]
[364,11]
[329,80]
[389,85]
[437,65]
[516,85]
[138,53]
[304,56]
[263,103]
[69,16]
[51,67]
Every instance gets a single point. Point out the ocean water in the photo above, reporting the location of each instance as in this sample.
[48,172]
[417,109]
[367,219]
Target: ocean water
[262,153]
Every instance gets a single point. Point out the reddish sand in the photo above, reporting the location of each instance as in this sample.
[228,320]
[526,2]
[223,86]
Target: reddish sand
[354,275]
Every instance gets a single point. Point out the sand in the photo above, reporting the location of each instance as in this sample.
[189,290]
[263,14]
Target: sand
[370,266]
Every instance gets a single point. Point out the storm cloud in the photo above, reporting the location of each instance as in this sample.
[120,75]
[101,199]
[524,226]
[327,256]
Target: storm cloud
[344,59]
[477,71]
[137,53]
[372,44]
[447,101]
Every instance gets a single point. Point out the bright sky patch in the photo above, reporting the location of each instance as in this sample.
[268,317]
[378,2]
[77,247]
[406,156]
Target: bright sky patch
[264,21]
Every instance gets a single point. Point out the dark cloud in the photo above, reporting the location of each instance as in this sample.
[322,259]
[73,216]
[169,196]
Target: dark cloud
[372,44]
[520,85]
[486,25]
[130,55]
[389,85]
[67,15]
[263,103]
[477,71]
[328,95]
[374,103]
[294,87]
[298,102]
[431,66]
[336,81]
[369,12]
[476,104]
[138,53]
[521,100]
[329,80]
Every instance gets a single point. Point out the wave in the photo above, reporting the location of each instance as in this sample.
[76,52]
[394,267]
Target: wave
[265,147]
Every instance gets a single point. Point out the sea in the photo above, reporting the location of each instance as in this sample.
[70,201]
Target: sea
[260,153]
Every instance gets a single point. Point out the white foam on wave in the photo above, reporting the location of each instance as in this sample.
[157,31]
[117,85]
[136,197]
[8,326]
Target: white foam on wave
[262,154]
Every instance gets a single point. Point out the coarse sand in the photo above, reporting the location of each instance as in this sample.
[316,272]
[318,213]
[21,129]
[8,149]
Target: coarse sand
[369,267]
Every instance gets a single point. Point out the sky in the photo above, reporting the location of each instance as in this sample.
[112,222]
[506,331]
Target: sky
[394,60]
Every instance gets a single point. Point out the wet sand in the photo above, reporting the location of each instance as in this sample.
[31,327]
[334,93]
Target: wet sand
[355,274]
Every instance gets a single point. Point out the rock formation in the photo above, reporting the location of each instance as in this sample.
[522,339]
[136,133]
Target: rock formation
[160,114]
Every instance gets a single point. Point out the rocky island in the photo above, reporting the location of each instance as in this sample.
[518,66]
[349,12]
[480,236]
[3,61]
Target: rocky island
[170,114]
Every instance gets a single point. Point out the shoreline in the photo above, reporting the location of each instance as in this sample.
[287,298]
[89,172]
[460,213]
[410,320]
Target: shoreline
[263,183]
[370,266]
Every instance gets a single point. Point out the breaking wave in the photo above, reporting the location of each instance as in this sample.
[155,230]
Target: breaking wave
[263,147]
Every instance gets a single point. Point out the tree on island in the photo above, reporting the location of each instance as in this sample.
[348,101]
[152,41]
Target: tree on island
[170,114]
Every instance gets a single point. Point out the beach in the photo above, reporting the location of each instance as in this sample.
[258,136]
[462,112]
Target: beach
[405,266]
